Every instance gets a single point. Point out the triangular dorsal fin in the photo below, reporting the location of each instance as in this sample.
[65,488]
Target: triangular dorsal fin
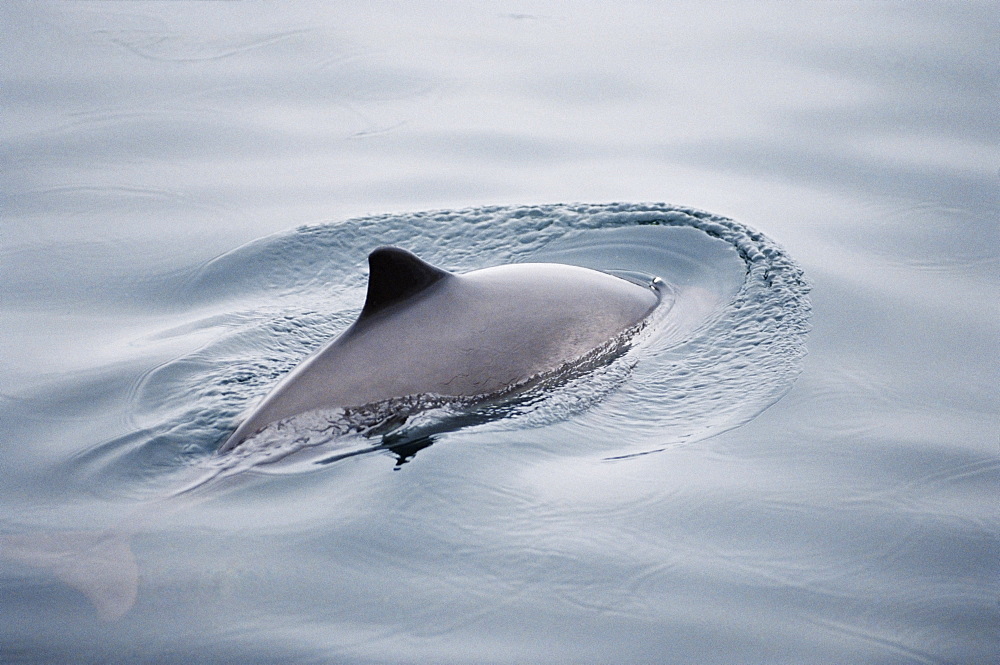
[394,275]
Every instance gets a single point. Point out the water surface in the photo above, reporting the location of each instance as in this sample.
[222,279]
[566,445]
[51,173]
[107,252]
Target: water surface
[189,190]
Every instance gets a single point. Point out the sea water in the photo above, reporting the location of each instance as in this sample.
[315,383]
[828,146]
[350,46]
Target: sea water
[798,463]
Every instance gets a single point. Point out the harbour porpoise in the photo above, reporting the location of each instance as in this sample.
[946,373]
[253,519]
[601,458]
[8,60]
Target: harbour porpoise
[427,331]
[422,331]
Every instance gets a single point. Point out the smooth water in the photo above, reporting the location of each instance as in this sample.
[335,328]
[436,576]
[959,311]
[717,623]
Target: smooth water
[797,462]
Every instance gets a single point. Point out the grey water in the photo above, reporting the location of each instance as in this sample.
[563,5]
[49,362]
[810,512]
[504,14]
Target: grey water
[799,462]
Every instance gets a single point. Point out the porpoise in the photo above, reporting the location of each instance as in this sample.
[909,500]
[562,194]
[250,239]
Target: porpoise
[427,331]
[422,331]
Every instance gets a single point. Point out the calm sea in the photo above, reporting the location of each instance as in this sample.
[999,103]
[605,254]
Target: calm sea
[800,464]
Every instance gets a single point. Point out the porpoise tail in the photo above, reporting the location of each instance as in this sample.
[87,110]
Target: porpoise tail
[100,564]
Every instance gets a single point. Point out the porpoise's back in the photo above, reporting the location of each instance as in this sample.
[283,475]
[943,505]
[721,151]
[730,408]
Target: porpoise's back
[427,331]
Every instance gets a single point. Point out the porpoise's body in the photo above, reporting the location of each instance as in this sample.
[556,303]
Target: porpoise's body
[424,330]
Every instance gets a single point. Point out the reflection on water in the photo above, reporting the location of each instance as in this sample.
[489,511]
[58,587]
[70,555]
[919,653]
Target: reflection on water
[852,521]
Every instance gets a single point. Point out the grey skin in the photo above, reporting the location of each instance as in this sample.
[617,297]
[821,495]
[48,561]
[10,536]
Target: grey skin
[424,330]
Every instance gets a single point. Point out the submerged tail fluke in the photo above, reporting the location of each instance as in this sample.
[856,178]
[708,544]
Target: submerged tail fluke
[100,564]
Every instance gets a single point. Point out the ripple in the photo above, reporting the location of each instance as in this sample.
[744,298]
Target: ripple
[729,346]
[167,47]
